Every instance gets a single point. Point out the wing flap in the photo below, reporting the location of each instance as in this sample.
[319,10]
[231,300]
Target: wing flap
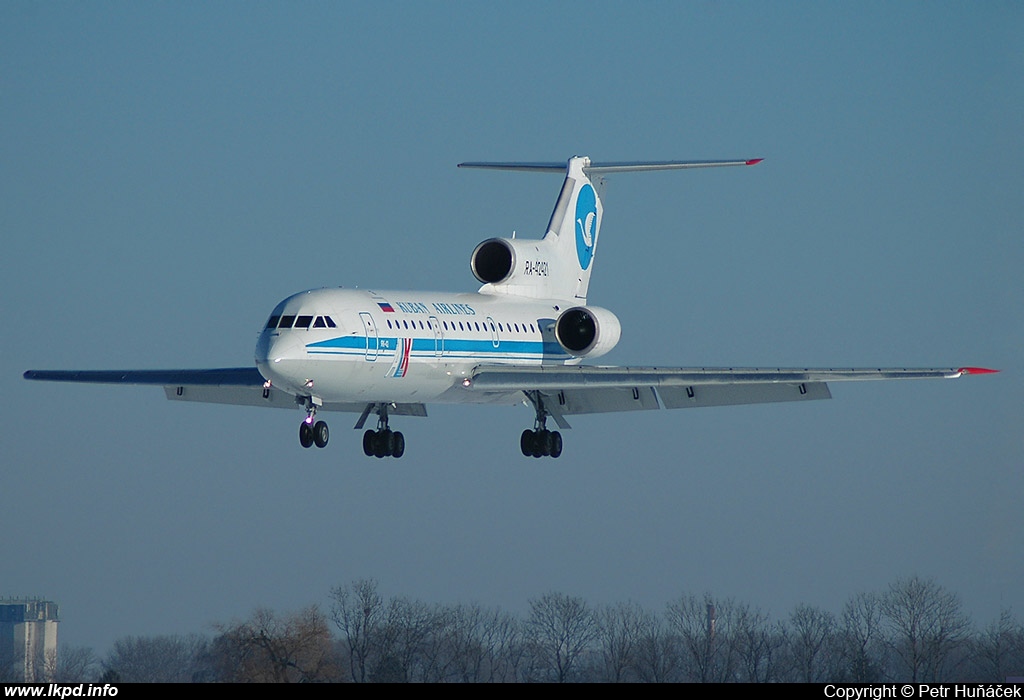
[273,398]
[702,395]
[595,389]
[237,386]
[555,378]
[609,400]
[233,395]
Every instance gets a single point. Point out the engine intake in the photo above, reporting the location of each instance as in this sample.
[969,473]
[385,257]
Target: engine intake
[587,331]
[493,261]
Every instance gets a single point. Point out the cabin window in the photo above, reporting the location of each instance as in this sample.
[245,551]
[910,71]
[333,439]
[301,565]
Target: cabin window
[389,323]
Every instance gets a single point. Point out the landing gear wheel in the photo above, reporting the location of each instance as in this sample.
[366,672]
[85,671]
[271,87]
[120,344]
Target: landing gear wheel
[556,444]
[541,443]
[544,442]
[538,444]
[321,434]
[305,434]
[526,443]
[384,443]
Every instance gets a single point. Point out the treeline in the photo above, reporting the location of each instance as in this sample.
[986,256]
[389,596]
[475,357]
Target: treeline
[915,631]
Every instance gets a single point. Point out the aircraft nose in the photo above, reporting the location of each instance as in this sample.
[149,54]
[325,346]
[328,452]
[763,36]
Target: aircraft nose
[272,348]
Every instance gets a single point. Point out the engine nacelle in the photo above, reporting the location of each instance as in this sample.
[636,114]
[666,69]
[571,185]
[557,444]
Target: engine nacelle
[507,262]
[587,331]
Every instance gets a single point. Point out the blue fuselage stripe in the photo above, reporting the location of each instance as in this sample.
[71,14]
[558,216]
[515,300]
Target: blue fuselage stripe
[457,348]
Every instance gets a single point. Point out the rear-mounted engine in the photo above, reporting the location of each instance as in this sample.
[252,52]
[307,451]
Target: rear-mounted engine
[494,260]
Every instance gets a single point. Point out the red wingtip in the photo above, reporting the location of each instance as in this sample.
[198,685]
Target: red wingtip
[977,370]
[754,161]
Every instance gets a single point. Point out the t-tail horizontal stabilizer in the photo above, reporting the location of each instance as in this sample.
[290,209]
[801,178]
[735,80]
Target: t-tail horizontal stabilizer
[559,265]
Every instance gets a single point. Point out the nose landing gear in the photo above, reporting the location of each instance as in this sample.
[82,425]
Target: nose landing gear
[311,433]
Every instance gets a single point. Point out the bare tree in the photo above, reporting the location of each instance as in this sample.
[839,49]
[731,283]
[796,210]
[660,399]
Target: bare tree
[159,659]
[473,645]
[621,628]
[812,634]
[861,638]
[759,646]
[705,628]
[73,664]
[560,628]
[998,652]
[925,625]
[407,641]
[358,611]
[267,648]
[656,657]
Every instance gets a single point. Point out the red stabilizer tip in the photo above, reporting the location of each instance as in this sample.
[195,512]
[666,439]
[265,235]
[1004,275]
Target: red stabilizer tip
[977,370]
[754,161]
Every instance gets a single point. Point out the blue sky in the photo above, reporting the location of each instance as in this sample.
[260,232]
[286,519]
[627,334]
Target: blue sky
[171,171]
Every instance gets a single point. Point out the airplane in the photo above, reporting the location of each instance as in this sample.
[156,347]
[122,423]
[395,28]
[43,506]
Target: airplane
[521,338]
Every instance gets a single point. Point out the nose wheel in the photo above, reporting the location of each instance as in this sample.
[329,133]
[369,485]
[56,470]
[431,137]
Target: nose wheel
[313,433]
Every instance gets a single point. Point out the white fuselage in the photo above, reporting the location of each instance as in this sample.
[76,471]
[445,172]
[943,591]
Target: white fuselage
[351,345]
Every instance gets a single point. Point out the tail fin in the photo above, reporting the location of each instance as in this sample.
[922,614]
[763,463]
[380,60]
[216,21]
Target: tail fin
[562,262]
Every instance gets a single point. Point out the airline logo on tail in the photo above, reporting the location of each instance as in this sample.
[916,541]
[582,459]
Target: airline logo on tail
[586,225]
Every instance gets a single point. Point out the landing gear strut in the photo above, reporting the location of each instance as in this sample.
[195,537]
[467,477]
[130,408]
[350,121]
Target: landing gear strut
[540,442]
[310,432]
[383,442]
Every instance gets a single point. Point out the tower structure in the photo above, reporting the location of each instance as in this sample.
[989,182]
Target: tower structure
[28,638]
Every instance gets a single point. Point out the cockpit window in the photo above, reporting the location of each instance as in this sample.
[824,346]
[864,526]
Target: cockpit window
[301,322]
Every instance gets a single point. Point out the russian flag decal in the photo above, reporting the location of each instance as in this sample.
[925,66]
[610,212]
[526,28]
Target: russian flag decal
[386,308]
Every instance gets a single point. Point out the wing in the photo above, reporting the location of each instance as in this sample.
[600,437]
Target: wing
[588,389]
[239,386]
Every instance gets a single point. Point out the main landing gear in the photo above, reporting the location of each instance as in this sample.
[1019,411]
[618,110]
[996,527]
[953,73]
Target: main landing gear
[383,442]
[311,433]
[540,442]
